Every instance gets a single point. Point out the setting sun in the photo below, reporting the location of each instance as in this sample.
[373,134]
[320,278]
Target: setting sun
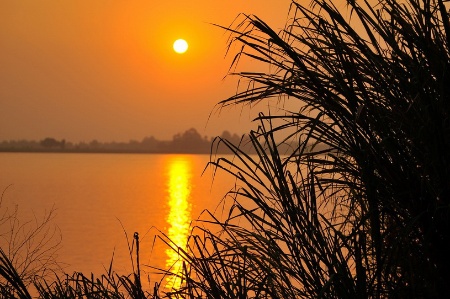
[180,46]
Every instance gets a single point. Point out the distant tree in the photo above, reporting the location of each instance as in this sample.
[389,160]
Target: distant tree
[95,145]
[52,143]
[190,141]
[226,135]
[149,143]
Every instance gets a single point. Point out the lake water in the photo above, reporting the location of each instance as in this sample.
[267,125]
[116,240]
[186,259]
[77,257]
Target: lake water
[101,198]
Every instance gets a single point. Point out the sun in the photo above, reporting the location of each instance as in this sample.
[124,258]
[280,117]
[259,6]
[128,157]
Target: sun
[180,46]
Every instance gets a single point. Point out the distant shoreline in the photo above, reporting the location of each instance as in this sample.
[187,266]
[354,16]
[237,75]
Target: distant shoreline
[24,151]
[189,142]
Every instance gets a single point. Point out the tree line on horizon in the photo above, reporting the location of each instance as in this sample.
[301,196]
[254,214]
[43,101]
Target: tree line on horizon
[189,142]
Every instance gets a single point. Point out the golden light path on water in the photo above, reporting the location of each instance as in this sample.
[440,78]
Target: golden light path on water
[179,217]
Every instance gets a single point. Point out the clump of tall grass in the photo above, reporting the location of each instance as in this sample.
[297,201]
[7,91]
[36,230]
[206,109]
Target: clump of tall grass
[359,208]
[110,285]
[28,249]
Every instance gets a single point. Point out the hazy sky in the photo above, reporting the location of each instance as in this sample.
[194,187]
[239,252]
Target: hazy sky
[105,69]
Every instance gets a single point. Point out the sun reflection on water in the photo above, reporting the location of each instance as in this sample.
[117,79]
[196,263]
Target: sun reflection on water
[179,217]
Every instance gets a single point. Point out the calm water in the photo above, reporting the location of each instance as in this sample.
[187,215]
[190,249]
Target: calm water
[100,197]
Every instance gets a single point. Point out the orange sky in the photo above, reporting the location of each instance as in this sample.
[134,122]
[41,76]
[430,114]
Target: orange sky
[105,69]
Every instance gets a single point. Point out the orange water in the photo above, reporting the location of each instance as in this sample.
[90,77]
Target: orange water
[101,198]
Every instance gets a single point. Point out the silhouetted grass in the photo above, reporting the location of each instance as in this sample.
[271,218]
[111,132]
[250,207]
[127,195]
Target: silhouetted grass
[368,216]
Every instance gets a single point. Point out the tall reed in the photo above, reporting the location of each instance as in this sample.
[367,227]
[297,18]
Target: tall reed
[359,208]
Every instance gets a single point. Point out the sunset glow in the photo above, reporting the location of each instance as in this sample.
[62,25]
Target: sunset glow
[85,70]
[179,218]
